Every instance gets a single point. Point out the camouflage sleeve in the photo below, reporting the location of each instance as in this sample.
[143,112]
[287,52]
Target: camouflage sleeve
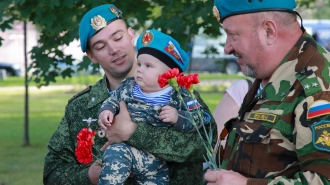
[185,123]
[171,144]
[311,140]
[111,103]
[61,167]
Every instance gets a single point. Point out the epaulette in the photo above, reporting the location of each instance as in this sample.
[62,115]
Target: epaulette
[81,93]
[309,81]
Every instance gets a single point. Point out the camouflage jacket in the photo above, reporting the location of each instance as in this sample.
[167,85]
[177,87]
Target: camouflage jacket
[184,151]
[141,111]
[276,137]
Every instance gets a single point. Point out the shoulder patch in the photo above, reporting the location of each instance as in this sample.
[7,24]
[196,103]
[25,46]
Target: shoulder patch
[321,135]
[318,108]
[193,105]
[81,93]
[207,118]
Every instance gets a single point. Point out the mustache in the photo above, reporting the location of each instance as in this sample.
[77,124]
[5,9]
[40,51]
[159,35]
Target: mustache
[236,54]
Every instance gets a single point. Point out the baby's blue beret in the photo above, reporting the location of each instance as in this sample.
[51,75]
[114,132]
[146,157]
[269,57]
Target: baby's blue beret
[96,19]
[226,8]
[154,42]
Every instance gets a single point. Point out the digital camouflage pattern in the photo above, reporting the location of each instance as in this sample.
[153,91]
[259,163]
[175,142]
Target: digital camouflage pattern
[141,111]
[120,160]
[272,142]
[183,151]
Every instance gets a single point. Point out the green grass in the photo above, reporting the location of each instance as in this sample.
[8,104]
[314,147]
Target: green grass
[19,81]
[24,165]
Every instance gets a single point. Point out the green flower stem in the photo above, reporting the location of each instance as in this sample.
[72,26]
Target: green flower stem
[97,158]
[210,158]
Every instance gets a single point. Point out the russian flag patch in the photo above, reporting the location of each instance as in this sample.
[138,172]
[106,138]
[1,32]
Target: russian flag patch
[193,105]
[318,108]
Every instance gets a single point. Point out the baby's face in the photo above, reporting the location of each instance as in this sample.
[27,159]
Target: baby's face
[147,72]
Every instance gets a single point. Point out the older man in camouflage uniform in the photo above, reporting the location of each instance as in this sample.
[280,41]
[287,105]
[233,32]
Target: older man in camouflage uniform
[281,135]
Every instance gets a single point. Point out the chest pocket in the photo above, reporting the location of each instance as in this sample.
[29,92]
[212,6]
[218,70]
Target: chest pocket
[252,145]
[257,127]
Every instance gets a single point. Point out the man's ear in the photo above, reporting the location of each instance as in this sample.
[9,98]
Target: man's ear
[271,31]
[131,34]
[90,56]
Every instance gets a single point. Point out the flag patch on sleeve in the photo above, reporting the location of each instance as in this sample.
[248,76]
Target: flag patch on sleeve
[318,108]
[193,105]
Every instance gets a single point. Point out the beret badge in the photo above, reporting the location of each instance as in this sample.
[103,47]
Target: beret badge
[115,10]
[147,38]
[98,22]
[216,13]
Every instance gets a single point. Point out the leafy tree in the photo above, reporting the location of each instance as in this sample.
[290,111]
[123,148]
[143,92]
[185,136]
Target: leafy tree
[58,23]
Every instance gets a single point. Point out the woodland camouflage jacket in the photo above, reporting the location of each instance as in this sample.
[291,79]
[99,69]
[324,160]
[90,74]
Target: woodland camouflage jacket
[282,136]
[183,150]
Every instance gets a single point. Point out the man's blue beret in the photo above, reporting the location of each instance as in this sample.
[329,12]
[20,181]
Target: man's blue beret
[226,8]
[158,44]
[96,19]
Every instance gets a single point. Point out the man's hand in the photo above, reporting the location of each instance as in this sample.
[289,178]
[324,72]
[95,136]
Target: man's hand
[224,177]
[121,129]
[94,172]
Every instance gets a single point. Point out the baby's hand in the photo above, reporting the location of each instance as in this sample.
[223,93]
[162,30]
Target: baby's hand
[169,114]
[105,119]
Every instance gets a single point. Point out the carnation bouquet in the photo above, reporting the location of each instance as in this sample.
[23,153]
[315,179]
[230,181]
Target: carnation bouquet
[175,79]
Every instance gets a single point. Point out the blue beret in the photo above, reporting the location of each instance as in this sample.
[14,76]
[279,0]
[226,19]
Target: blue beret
[158,44]
[226,8]
[96,19]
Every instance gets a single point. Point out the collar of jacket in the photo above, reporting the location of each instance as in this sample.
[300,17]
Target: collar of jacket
[98,93]
[284,76]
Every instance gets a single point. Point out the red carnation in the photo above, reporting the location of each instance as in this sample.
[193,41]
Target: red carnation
[84,146]
[162,81]
[84,153]
[164,78]
[194,78]
[187,81]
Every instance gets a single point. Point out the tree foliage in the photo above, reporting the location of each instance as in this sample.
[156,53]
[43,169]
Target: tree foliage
[58,22]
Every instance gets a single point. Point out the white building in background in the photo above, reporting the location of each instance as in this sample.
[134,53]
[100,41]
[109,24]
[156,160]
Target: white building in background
[12,48]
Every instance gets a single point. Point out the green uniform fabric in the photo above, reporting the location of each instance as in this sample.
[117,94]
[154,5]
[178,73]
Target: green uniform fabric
[183,151]
[271,142]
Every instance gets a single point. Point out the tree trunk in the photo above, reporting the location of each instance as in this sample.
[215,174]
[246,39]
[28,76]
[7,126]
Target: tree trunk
[26,103]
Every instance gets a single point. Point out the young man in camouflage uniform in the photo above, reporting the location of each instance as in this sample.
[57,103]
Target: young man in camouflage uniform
[107,40]
[281,135]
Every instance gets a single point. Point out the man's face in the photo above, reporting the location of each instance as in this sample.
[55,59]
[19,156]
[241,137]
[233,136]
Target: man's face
[113,48]
[243,41]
